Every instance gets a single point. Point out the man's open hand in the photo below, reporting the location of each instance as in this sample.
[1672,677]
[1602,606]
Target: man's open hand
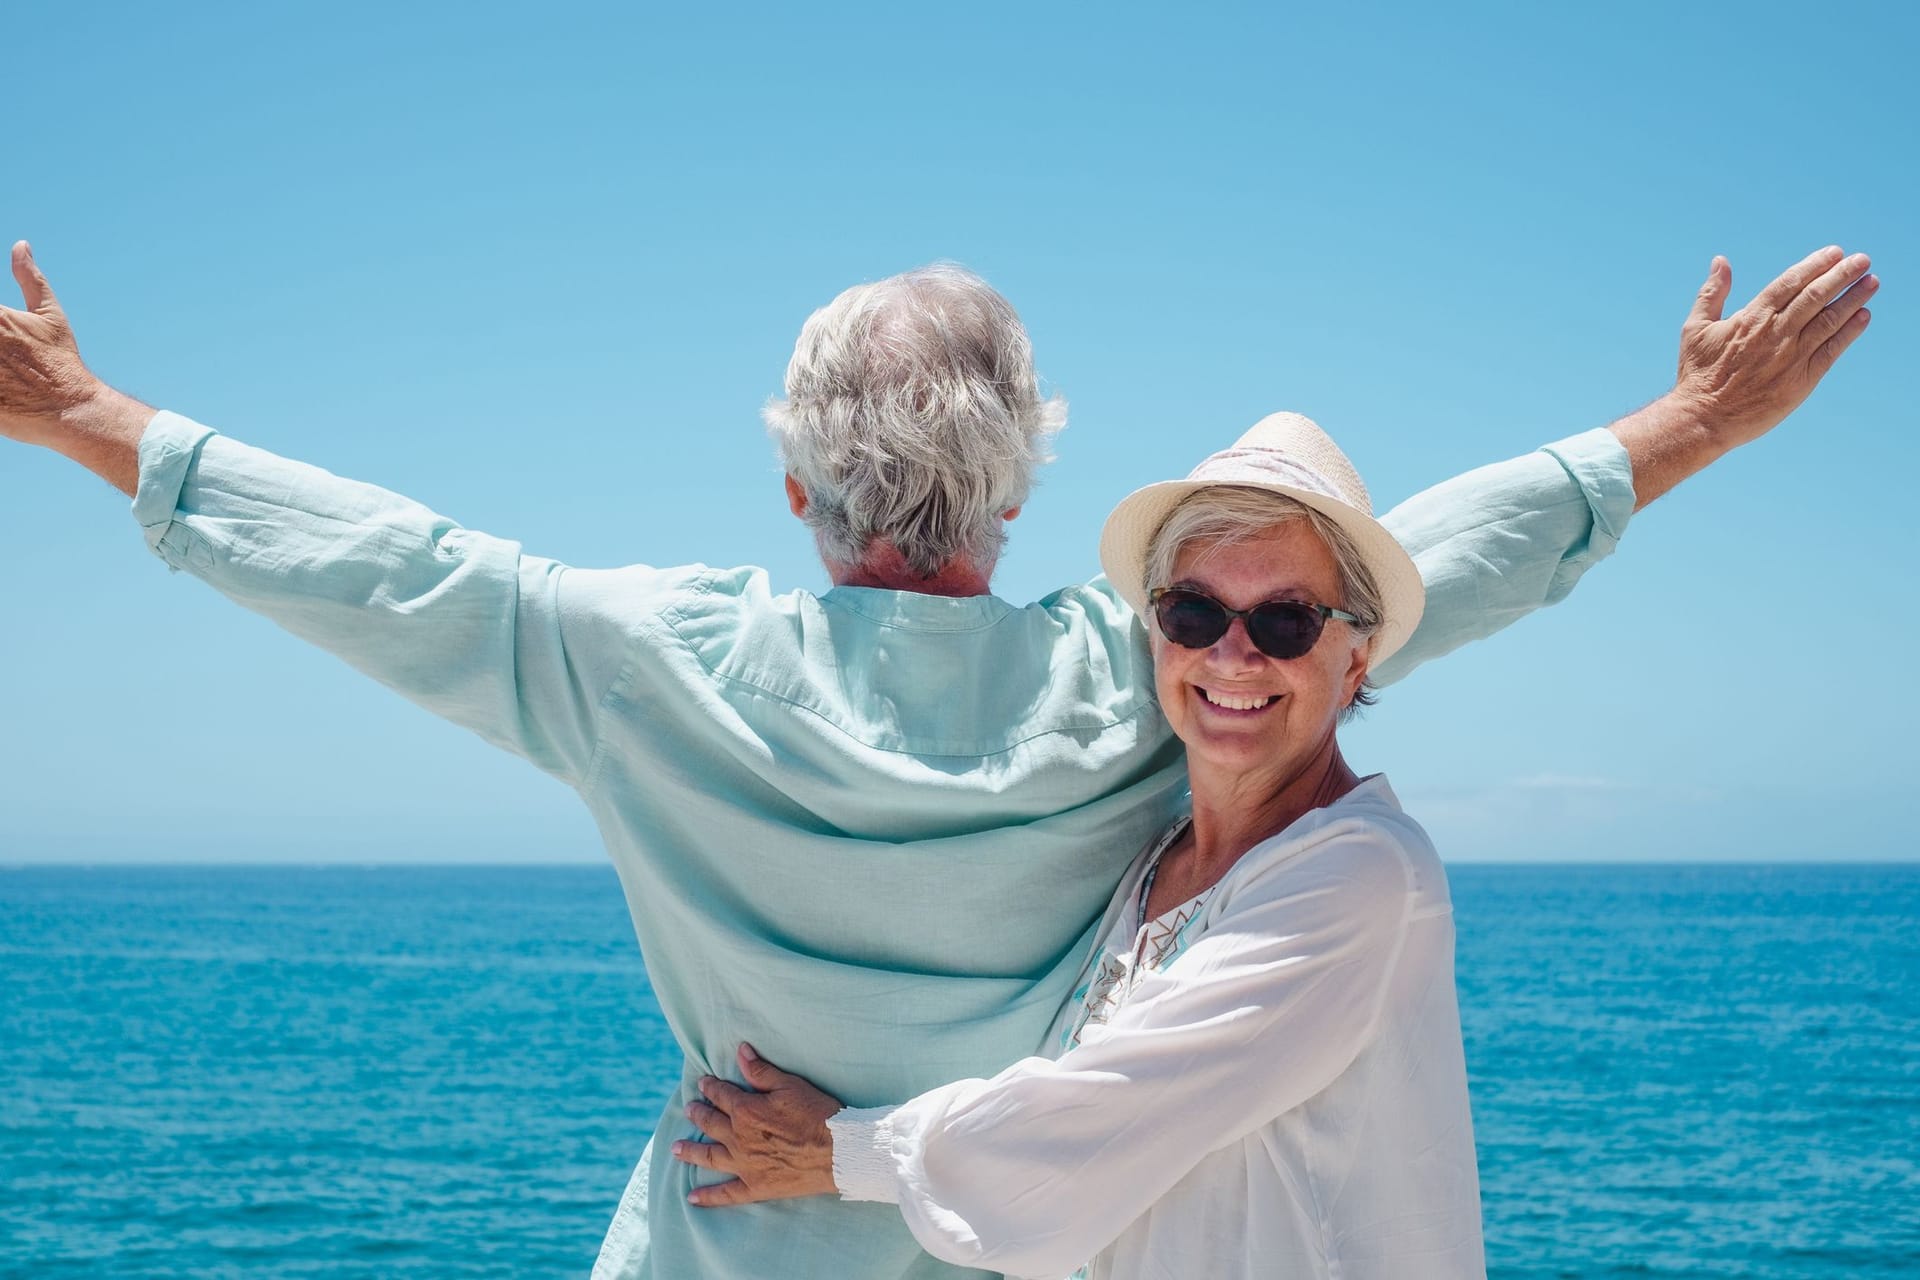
[1749,370]
[1742,374]
[42,378]
[49,397]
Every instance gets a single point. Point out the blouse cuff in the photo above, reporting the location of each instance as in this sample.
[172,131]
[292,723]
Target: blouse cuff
[863,1163]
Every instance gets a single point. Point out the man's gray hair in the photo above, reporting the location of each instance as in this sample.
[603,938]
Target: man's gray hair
[913,415]
[1225,514]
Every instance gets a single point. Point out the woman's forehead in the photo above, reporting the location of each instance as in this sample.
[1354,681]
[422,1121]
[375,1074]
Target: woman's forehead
[1279,560]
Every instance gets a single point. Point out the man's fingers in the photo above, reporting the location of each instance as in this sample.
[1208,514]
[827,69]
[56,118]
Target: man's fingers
[1829,321]
[25,273]
[1822,359]
[712,1121]
[1824,288]
[1788,284]
[721,1194]
[1712,299]
[33,284]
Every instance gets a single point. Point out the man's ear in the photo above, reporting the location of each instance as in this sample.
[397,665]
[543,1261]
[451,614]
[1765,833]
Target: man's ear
[1011,513]
[796,497]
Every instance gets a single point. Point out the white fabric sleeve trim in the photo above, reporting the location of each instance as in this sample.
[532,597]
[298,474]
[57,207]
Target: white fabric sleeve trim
[863,1164]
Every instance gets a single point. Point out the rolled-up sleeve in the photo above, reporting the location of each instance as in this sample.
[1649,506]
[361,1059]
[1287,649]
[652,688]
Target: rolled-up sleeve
[462,623]
[1501,541]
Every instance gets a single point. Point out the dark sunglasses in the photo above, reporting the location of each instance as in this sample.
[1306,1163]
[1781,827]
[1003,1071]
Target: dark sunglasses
[1278,628]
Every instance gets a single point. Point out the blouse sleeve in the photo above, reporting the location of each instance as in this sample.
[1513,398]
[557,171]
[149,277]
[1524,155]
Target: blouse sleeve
[1036,1170]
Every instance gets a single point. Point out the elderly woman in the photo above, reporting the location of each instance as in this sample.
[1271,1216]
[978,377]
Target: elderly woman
[1261,1073]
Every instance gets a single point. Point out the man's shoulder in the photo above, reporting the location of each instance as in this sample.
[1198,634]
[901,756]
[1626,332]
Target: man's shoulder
[1097,600]
[707,606]
[632,596]
[699,589]
[899,670]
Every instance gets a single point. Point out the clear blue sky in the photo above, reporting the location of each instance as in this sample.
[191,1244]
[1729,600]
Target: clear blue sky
[539,268]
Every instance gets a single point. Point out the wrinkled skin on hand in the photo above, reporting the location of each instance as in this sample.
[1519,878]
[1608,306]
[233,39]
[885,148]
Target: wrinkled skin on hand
[772,1137]
[1749,370]
[42,378]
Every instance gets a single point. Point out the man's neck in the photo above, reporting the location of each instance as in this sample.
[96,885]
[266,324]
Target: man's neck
[885,569]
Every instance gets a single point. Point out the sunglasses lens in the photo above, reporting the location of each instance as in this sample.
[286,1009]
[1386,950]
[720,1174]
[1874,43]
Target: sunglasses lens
[1283,629]
[1189,620]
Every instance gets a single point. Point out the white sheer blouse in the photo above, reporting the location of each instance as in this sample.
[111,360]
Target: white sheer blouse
[1265,1081]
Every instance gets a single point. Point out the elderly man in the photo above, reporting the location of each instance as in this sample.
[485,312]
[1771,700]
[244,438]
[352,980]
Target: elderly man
[868,831]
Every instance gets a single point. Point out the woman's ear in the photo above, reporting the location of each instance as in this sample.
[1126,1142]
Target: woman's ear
[1356,671]
[796,497]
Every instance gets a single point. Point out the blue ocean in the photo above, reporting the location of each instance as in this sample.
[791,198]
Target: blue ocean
[405,1071]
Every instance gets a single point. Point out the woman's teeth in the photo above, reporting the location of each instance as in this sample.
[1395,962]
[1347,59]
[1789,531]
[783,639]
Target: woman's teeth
[1232,703]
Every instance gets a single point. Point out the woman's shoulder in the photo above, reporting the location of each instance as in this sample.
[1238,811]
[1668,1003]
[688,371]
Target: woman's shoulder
[1364,837]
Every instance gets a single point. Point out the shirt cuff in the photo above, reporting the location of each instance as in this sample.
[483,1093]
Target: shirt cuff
[863,1163]
[1603,469]
[168,449]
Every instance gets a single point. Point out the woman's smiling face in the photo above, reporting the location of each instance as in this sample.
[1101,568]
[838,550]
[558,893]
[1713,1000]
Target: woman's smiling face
[1238,710]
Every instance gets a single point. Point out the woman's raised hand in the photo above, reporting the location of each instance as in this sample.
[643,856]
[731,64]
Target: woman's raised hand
[772,1137]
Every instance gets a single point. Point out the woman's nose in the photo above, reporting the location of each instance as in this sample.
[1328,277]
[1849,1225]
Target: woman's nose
[1235,649]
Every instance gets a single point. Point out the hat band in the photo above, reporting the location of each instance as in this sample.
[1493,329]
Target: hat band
[1274,467]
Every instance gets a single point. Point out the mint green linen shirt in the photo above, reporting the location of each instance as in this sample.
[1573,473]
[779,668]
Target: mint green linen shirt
[870,831]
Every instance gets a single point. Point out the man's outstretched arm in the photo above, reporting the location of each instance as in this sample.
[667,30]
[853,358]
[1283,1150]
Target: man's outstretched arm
[1501,541]
[521,650]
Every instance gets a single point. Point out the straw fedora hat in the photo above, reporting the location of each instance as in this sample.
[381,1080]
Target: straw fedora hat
[1288,454]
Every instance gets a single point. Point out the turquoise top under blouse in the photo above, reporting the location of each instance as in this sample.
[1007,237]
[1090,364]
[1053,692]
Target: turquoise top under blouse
[868,831]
